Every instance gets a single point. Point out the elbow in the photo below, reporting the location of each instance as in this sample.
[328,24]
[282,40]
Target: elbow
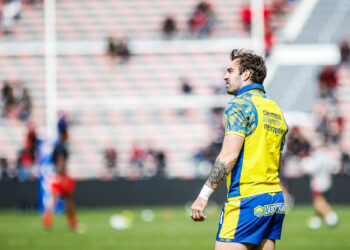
[229,159]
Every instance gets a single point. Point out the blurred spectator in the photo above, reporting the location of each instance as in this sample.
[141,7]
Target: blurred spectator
[323,128]
[279,7]
[137,157]
[111,48]
[111,159]
[16,101]
[186,87]
[202,20]
[217,125]
[246,17]
[150,164]
[169,27]
[269,40]
[31,140]
[208,153]
[4,168]
[154,162]
[160,164]
[5,90]
[9,100]
[27,156]
[62,126]
[344,52]
[25,105]
[123,51]
[11,12]
[297,144]
[118,49]
[320,167]
[328,82]
[330,128]
[345,163]
[25,163]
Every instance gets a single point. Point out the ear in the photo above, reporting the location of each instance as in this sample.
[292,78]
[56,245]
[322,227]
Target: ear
[246,75]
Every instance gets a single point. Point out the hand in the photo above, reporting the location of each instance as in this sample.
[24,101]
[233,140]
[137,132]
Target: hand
[197,209]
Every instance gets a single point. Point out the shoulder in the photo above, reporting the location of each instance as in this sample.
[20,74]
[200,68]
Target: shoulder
[242,104]
[239,102]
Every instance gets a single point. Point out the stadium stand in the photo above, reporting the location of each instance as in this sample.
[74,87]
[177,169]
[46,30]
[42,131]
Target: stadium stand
[178,126]
[82,20]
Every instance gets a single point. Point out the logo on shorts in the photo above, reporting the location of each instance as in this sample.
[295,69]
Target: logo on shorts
[270,209]
[259,211]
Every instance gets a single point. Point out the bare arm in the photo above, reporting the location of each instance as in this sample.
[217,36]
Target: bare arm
[224,163]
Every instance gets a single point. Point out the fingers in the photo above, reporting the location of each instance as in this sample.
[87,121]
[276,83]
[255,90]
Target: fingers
[197,214]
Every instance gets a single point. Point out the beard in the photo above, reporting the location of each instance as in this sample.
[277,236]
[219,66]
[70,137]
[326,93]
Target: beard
[231,91]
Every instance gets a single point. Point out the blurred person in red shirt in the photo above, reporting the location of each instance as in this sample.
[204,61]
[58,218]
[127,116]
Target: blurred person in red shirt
[111,158]
[137,158]
[328,81]
[202,20]
[269,40]
[246,16]
[27,156]
[61,185]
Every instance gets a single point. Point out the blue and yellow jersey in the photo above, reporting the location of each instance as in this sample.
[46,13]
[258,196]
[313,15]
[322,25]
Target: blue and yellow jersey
[252,115]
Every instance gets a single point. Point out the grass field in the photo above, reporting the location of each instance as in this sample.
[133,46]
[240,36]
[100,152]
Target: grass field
[170,229]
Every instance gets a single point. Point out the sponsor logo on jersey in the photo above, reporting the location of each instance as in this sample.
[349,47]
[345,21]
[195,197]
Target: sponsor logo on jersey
[270,209]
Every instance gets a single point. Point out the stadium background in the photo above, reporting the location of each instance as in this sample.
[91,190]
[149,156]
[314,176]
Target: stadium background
[165,132]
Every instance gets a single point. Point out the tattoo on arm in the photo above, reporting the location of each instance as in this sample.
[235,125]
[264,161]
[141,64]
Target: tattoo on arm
[218,173]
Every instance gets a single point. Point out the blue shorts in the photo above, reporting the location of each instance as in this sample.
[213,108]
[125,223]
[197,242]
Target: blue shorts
[251,219]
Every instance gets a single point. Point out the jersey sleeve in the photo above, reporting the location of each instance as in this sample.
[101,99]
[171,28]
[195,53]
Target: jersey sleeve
[235,120]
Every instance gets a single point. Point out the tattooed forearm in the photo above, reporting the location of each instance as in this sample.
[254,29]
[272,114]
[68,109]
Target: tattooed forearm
[218,173]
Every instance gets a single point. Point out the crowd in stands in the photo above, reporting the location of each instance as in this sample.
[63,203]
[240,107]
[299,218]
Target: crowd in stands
[16,101]
[144,162]
[25,166]
[200,24]
[329,128]
[147,162]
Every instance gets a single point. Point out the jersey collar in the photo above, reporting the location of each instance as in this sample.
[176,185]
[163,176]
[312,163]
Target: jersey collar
[249,87]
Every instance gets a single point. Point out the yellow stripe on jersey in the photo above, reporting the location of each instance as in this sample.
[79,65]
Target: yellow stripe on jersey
[230,219]
[235,133]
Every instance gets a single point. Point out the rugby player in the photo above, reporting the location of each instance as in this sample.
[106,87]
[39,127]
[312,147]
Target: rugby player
[249,160]
[61,185]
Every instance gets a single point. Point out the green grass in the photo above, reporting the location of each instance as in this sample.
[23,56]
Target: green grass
[171,229]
